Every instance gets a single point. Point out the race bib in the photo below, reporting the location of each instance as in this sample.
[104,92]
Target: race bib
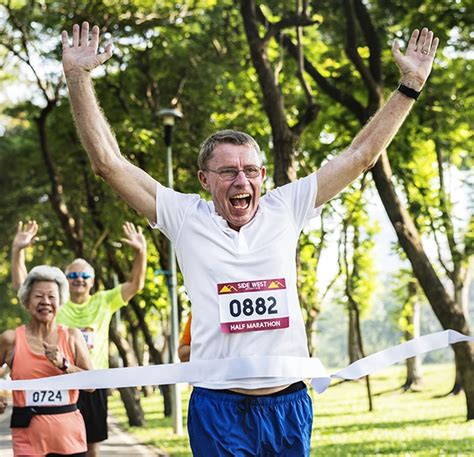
[88,334]
[249,306]
[46,397]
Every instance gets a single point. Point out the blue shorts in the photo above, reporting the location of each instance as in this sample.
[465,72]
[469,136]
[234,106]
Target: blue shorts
[223,424]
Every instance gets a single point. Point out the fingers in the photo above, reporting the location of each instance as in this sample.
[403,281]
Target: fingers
[396,48]
[51,351]
[434,47]
[95,38]
[80,36]
[423,42]
[134,236]
[413,39]
[31,228]
[64,39]
[129,228]
[75,35]
[106,55]
[84,34]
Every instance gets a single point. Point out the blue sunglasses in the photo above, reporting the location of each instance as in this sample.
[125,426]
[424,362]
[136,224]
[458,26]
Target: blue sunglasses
[78,274]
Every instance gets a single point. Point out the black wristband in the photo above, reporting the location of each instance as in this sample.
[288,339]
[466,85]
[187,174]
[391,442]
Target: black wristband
[408,91]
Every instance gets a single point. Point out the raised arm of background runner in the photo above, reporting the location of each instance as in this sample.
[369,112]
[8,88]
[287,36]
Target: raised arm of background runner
[415,66]
[136,280]
[135,186]
[25,236]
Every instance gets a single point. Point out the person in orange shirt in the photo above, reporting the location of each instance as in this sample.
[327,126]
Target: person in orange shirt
[45,422]
[184,349]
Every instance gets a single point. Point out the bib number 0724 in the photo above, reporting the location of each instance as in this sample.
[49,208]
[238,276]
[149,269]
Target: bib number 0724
[49,396]
[248,307]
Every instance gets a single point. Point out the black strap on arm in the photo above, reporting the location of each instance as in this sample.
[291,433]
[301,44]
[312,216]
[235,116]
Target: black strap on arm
[408,91]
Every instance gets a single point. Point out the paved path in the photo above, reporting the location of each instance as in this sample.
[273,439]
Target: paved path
[119,444]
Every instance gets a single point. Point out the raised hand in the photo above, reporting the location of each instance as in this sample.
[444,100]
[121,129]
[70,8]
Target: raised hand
[82,55]
[415,65]
[25,235]
[134,237]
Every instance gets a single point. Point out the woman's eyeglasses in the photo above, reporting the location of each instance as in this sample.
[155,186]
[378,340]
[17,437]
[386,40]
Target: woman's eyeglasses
[78,274]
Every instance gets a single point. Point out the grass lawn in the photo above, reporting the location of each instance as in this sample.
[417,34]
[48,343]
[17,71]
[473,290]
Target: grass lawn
[403,424]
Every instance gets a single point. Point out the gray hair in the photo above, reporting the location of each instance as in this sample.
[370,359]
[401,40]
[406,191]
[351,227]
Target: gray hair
[48,274]
[81,262]
[224,137]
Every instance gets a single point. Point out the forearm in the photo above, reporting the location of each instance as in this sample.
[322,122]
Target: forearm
[138,273]
[94,131]
[364,150]
[380,130]
[19,271]
[131,183]
[136,280]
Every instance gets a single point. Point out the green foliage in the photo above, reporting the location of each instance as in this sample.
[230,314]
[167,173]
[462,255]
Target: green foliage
[406,292]
[358,245]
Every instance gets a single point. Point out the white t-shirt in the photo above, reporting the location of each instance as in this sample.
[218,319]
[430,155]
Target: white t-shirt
[242,285]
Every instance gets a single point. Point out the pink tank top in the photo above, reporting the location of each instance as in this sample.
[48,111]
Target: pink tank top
[55,433]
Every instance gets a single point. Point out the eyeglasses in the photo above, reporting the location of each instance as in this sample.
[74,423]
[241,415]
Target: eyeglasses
[229,174]
[78,274]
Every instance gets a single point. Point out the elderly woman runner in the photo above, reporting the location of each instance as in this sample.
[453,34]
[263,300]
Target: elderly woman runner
[45,422]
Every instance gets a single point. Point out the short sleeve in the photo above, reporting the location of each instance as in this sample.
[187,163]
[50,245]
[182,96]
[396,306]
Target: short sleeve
[300,197]
[171,208]
[112,298]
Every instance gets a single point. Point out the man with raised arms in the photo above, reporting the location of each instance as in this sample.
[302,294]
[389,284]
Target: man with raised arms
[237,251]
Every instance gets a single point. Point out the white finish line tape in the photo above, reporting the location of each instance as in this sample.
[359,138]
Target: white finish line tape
[239,368]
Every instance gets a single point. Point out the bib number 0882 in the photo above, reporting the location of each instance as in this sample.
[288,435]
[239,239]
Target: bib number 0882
[248,307]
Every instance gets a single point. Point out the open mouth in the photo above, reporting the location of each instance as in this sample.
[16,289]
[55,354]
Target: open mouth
[241,201]
[44,310]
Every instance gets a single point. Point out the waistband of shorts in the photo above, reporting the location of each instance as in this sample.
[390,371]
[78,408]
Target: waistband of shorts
[291,393]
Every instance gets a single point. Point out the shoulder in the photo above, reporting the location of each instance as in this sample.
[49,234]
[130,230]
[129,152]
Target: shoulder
[7,338]
[106,294]
[73,332]
[108,298]
[7,335]
[73,335]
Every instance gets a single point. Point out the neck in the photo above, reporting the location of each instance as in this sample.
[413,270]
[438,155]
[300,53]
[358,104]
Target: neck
[41,329]
[79,298]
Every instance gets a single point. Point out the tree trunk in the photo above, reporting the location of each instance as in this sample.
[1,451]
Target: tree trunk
[69,224]
[130,395]
[414,380]
[131,399]
[461,293]
[448,312]
[353,338]
[285,138]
